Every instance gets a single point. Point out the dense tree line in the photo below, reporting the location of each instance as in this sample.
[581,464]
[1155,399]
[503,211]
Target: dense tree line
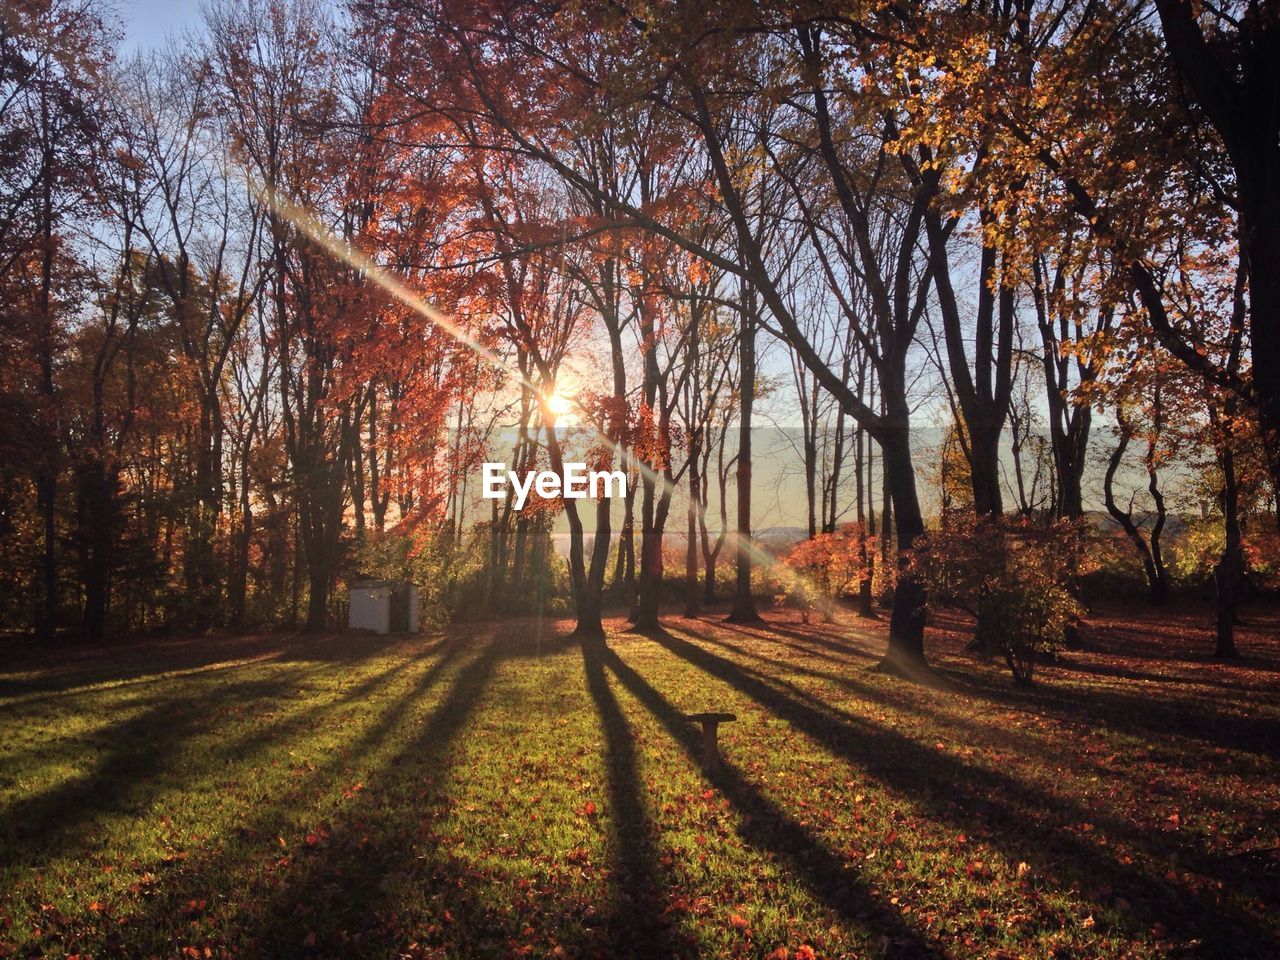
[271,295]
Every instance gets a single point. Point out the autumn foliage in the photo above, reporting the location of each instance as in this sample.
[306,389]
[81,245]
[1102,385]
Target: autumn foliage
[271,296]
[829,567]
[1020,573]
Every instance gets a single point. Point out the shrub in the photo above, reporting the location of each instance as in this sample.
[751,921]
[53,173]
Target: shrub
[1018,571]
[826,567]
[456,580]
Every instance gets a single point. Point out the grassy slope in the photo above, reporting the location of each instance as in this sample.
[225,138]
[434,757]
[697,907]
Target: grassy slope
[496,792]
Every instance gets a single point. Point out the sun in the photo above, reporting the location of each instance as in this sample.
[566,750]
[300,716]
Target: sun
[559,404]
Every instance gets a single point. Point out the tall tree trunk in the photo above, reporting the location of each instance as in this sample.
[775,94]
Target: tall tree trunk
[46,502]
[591,609]
[1229,571]
[832,511]
[299,561]
[1263,240]
[984,470]
[1069,425]
[651,564]
[984,392]
[199,559]
[866,525]
[907,620]
[886,517]
[624,570]
[47,475]
[711,552]
[587,583]
[809,442]
[97,510]
[318,580]
[691,529]
[652,503]
[240,570]
[744,605]
[1233,81]
[323,531]
[644,615]
[1230,568]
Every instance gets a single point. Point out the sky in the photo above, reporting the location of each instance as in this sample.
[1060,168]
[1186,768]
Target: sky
[147,23]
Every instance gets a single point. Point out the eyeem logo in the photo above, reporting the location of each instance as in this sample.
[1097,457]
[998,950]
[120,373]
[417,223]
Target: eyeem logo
[576,483]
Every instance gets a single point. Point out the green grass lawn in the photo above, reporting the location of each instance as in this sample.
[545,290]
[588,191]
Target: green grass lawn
[497,792]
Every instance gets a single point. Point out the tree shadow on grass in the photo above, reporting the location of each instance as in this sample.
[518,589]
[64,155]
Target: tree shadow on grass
[976,728]
[337,893]
[1183,634]
[344,894]
[531,637]
[1121,646]
[140,750]
[381,878]
[1071,708]
[331,884]
[33,674]
[808,643]
[934,679]
[134,751]
[1069,663]
[981,800]
[640,926]
[289,684]
[771,830]
[1144,715]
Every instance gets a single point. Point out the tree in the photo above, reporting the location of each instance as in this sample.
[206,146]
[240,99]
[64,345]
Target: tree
[1227,63]
[1178,139]
[279,90]
[202,227]
[713,94]
[1070,310]
[1148,546]
[54,59]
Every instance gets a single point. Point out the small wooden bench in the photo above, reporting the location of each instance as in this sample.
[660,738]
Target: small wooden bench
[710,748]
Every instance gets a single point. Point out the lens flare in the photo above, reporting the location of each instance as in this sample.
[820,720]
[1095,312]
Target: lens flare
[307,224]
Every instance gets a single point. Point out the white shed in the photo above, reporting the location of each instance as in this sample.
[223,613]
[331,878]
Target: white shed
[383,606]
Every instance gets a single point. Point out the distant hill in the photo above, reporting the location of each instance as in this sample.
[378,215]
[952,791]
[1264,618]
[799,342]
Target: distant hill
[1102,522]
[780,539]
